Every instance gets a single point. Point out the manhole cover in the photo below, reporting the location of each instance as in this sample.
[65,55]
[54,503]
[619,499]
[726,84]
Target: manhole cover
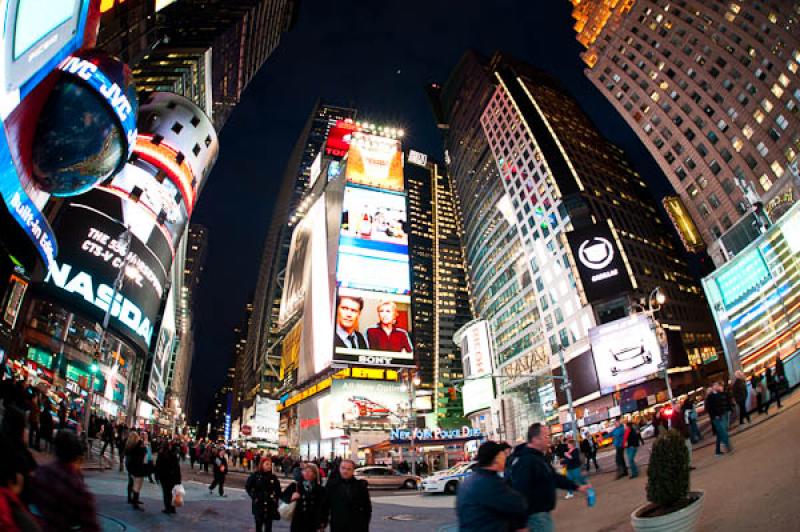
[402,517]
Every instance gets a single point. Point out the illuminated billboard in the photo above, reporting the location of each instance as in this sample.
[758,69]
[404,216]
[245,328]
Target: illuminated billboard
[339,138]
[373,243]
[266,420]
[626,352]
[356,404]
[683,223]
[372,329]
[599,260]
[755,297]
[375,161]
[90,261]
[476,358]
[290,354]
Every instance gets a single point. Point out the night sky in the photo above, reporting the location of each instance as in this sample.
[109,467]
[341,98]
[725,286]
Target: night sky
[376,56]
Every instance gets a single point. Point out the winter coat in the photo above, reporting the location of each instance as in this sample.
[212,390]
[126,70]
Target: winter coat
[350,505]
[535,478]
[135,460]
[168,468]
[311,512]
[486,504]
[220,466]
[265,490]
[739,390]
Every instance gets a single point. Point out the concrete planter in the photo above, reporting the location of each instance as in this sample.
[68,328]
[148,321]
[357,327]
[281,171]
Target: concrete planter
[684,520]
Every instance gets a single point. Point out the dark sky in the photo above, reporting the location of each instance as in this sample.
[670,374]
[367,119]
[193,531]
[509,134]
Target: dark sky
[377,56]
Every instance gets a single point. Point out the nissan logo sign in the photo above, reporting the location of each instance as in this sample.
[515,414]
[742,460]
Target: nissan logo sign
[596,253]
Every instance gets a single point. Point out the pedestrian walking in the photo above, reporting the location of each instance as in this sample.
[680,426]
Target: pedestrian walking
[62,499]
[46,426]
[149,463]
[740,396]
[774,389]
[34,415]
[264,490]
[717,408]
[135,456]
[121,441]
[573,462]
[107,437]
[311,512]
[631,441]
[168,473]
[680,424]
[348,500]
[220,472]
[589,450]
[537,481]
[689,413]
[485,502]
[618,435]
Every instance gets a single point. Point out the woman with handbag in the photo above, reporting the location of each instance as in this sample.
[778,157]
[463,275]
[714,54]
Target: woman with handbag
[311,501]
[264,489]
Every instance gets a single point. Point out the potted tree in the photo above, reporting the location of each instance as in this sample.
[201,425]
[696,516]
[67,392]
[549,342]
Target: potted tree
[672,506]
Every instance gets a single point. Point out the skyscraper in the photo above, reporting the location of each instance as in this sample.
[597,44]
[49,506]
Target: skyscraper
[241,35]
[712,91]
[439,293]
[532,172]
[269,287]
[206,50]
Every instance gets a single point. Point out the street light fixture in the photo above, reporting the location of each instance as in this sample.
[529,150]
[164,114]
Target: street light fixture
[655,300]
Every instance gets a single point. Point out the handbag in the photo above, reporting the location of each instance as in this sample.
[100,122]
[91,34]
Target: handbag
[286,510]
[178,493]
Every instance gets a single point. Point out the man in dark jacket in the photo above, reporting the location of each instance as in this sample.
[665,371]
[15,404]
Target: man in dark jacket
[168,473]
[535,478]
[348,499]
[717,408]
[485,502]
[220,464]
[740,396]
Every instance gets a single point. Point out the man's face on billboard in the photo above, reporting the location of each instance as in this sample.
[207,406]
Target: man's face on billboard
[387,313]
[347,313]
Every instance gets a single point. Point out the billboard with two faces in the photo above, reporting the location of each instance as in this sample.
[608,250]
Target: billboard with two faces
[372,309]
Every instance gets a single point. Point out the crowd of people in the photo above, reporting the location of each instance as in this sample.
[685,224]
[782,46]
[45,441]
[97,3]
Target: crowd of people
[511,488]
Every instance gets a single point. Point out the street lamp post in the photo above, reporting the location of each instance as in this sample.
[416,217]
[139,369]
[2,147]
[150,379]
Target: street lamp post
[411,387]
[89,401]
[658,297]
[566,385]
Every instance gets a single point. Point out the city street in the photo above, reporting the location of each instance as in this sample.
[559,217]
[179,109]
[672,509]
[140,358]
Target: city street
[765,461]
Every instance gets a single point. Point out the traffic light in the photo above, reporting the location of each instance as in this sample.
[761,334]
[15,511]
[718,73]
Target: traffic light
[453,393]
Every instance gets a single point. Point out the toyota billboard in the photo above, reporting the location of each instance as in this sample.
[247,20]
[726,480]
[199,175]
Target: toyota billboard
[626,352]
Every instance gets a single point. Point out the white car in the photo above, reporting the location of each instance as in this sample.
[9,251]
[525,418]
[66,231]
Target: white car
[447,481]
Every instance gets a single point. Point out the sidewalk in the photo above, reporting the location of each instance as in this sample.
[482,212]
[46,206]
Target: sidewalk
[789,401]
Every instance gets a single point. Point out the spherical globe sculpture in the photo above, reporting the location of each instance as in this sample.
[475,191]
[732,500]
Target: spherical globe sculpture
[87,128]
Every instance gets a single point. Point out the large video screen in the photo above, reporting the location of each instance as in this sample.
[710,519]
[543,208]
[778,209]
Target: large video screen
[372,329]
[373,243]
[37,18]
[626,352]
[360,404]
[339,138]
[375,161]
[89,262]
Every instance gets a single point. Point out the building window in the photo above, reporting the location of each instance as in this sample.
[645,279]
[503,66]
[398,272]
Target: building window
[765,181]
[713,201]
[777,169]
[715,167]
